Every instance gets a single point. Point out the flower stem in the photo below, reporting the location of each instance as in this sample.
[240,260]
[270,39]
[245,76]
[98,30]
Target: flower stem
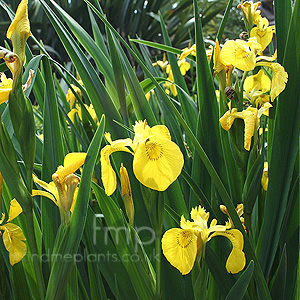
[158,264]
[34,254]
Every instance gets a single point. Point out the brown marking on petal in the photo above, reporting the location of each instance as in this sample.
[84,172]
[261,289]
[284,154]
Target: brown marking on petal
[154,149]
[184,238]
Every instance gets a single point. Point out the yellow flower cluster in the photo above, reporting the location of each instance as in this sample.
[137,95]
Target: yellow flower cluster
[165,66]
[259,89]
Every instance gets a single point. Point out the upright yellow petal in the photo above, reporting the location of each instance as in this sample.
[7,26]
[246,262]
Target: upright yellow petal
[157,163]
[14,210]
[19,30]
[13,240]
[180,248]
[218,63]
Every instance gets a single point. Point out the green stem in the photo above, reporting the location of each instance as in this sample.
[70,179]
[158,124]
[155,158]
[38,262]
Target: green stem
[34,254]
[158,265]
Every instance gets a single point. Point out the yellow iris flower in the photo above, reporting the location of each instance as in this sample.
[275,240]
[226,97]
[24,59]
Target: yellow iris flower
[250,12]
[5,88]
[182,246]
[13,237]
[250,116]
[63,189]
[157,160]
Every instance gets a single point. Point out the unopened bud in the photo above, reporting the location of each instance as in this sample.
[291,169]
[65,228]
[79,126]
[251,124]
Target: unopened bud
[126,194]
[244,35]
[229,92]
[71,182]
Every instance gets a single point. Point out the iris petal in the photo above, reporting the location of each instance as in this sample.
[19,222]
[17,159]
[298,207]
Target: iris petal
[180,248]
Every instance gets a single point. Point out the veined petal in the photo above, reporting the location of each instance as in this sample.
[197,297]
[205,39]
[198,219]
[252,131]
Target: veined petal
[14,210]
[157,163]
[13,240]
[238,54]
[279,78]
[236,260]
[227,119]
[263,37]
[72,162]
[180,249]
[108,174]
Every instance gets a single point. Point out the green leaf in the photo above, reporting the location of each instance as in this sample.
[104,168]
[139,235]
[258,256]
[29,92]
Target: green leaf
[239,289]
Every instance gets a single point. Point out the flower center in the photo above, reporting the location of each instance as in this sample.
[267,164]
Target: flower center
[185,238]
[154,150]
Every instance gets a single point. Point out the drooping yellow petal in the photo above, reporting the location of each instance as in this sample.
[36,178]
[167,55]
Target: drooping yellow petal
[236,260]
[249,116]
[50,187]
[19,30]
[157,163]
[184,66]
[239,54]
[5,88]
[13,240]
[108,174]
[180,249]
[45,194]
[72,162]
[71,114]
[227,119]
[14,210]
[279,78]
